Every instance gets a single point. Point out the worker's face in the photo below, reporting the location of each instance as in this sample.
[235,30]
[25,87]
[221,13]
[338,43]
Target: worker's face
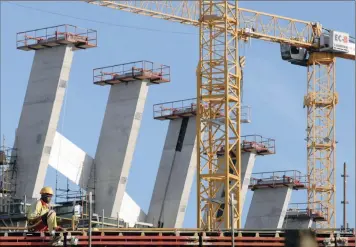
[46,198]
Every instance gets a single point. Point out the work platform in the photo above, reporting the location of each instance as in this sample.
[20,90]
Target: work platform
[297,210]
[129,84]
[272,193]
[128,72]
[49,37]
[288,178]
[254,143]
[174,237]
[187,108]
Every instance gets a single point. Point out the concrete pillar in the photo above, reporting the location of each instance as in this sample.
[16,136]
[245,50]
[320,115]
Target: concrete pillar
[46,88]
[297,222]
[271,198]
[40,116]
[117,142]
[247,163]
[268,208]
[175,175]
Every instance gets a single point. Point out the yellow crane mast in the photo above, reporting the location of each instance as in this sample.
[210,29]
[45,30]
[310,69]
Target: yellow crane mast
[222,24]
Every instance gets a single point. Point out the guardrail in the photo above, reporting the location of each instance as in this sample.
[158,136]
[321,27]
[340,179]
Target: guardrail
[188,107]
[138,70]
[61,34]
[292,178]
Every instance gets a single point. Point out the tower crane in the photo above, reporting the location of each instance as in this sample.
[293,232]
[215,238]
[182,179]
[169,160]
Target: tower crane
[221,25]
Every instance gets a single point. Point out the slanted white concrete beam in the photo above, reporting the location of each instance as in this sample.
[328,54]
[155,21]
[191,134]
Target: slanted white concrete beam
[117,143]
[175,175]
[70,160]
[39,117]
[75,164]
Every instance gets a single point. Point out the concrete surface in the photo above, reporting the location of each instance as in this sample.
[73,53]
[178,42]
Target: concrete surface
[117,143]
[247,163]
[175,175]
[302,222]
[39,117]
[70,160]
[76,165]
[268,208]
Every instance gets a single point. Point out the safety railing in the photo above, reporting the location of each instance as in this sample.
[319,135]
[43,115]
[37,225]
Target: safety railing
[126,72]
[254,143]
[292,178]
[316,211]
[174,109]
[258,143]
[59,34]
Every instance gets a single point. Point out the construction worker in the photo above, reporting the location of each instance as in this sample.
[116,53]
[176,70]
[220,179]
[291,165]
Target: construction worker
[41,217]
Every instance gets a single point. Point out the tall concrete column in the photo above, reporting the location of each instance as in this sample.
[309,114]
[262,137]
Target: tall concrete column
[119,131]
[117,143]
[43,101]
[268,208]
[178,163]
[251,146]
[271,198]
[40,116]
[175,175]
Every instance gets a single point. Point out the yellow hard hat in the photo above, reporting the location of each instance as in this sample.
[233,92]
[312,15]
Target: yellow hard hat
[46,190]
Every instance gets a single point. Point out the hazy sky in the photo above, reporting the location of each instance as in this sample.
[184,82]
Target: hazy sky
[272,87]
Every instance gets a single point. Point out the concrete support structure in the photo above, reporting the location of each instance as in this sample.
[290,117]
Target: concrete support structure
[297,222]
[76,165]
[299,216]
[119,132]
[178,163]
[272,193]
[175,175]
[43,101]
[251,146]
[70,160]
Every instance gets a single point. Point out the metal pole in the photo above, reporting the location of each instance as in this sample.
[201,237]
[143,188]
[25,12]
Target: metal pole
[102,220]
[344,201]
[118,221]
[232,220]
[90,215]
[24,203]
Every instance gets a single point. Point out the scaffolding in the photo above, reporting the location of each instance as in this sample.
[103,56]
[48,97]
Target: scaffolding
[8,172]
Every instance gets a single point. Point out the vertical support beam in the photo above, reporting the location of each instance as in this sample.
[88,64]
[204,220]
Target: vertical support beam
[117,142]
[247,163]
[344,201]
[268,208]
[40,116]
[218,91]
[175,175]
[320,101]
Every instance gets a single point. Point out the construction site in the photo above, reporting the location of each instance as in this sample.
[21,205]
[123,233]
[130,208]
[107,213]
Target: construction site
[205,145]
